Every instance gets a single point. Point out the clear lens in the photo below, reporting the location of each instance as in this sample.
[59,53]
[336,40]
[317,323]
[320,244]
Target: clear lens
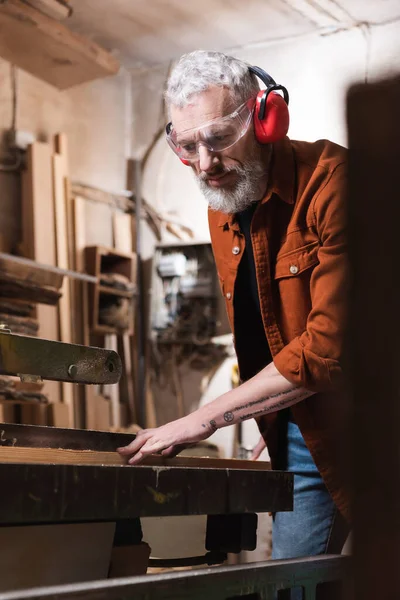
[216,135]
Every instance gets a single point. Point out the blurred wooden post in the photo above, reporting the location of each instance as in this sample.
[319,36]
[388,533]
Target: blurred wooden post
[373,114]
[134,185]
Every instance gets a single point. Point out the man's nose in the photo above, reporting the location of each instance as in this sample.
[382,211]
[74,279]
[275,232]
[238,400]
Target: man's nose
[207,158]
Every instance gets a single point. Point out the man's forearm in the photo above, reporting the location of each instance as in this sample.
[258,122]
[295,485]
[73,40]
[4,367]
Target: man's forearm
[267,392]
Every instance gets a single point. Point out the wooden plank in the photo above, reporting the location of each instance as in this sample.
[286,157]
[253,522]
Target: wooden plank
[98,220]
[124,415]
[59,415]
[21,325]
[17,288]
[7,412]
[97,412]
[38,227]
[89,457]
[17,307]
[33,413]
[49,50]
[112,391]
[81,298]
[122,230]
[151,414]
[61,148]
[31,274]
[60,171]
[126,384]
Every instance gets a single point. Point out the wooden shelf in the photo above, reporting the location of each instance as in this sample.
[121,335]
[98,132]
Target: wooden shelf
[107,261]
[49,50]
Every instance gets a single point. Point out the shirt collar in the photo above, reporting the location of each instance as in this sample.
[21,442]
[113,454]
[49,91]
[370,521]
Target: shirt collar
[280,181]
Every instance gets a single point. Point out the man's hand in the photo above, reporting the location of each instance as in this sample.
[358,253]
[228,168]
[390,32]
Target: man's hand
[168,439]
[258,449]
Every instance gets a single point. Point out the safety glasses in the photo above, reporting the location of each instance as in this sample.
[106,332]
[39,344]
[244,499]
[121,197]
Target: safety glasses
[216,135]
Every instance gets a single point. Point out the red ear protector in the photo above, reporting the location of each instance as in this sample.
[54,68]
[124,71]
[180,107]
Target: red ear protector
[271,113]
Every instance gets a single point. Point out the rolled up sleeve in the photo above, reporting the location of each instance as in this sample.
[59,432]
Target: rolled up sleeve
[313,360]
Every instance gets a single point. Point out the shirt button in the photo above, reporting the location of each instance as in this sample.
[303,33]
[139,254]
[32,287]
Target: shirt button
[293,269]
[235,250]
[228,296]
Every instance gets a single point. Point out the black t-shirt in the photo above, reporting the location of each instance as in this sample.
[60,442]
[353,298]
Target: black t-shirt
[249,328]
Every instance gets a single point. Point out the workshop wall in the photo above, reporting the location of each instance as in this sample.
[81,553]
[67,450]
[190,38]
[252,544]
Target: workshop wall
[93,115]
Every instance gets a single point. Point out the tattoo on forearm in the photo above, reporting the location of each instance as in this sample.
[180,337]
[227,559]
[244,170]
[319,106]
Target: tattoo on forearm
[228,417]
[280,404]
[212,424]
[261,400]
[276,406]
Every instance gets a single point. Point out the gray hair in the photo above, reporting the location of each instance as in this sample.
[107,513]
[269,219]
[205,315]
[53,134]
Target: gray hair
[197,71]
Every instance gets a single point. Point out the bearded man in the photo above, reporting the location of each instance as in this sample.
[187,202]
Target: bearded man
[277,224]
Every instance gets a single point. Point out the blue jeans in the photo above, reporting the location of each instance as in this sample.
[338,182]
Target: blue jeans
[315,526]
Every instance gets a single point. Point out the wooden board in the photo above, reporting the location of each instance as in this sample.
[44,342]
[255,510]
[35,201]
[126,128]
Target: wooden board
[11,288]
[89,457]
[81,298]
[60,173]
[98,222]
[39,233]
[33,413]
[30,273]
[49,50]
[126,384]
[7,412]
[58,415]
[61,148]
[97,412]
[112,391]
[122,230]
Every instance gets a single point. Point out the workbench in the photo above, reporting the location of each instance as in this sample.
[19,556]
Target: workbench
[73,483]
[39,492]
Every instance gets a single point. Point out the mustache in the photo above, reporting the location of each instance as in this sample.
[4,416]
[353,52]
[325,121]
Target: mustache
[220,170]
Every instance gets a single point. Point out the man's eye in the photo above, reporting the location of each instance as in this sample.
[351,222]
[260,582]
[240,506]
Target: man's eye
[220,137]
[189,147]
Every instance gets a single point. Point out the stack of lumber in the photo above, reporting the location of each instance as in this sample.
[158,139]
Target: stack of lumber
[16,315]
[22,402]
[22,286]
[45,240]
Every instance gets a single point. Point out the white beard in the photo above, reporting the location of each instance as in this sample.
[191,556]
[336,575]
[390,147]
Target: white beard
[242,195]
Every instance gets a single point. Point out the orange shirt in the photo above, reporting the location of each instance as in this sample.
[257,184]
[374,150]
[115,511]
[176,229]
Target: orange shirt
[299,246]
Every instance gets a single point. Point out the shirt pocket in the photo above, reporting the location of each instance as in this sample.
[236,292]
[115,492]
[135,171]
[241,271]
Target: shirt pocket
[294,263]
[293,272]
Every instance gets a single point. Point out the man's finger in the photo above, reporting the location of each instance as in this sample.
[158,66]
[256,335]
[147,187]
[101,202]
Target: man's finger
[135,444]
[147,449]
[137,458]
[174,450]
